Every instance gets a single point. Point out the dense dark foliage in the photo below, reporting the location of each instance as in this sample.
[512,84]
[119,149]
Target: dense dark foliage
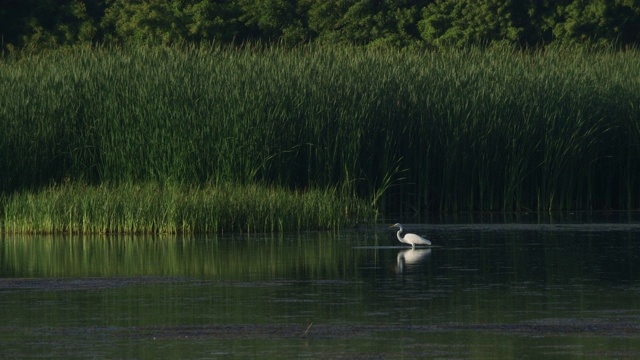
[551,128]
[469,129]
[37,24]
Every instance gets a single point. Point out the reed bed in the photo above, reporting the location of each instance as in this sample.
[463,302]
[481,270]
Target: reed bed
[409,131]
[175,209]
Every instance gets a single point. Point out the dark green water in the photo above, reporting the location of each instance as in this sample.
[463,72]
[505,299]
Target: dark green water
[482,291]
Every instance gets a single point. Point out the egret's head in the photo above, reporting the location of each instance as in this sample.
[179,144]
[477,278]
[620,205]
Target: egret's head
[395,225]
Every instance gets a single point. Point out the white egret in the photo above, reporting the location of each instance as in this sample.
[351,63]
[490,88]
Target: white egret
[411,239]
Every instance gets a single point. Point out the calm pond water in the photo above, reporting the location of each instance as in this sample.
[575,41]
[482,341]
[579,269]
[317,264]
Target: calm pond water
[481,291]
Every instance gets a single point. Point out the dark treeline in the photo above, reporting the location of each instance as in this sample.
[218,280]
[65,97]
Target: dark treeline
[38,24]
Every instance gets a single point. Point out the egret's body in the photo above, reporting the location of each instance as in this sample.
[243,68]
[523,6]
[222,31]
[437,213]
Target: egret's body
[411,239]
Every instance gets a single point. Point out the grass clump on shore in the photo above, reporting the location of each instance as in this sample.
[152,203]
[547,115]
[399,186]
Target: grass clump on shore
[177,209]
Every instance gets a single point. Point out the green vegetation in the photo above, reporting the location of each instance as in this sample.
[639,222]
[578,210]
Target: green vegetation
[441,105]
[40,24]
[173,209]
[463,129]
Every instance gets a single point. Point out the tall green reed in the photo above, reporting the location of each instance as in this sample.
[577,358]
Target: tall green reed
[468,129]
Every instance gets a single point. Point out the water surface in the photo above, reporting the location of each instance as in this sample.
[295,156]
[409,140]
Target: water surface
[482,291]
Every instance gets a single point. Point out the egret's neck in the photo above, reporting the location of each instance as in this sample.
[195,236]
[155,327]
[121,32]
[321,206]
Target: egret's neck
[399,236]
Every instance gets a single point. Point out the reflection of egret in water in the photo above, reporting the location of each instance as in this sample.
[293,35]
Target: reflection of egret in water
[411,257]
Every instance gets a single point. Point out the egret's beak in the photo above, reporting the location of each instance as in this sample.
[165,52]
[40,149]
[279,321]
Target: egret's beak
[394,225]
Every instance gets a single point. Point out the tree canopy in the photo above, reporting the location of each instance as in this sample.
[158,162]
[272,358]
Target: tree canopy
[436,23]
